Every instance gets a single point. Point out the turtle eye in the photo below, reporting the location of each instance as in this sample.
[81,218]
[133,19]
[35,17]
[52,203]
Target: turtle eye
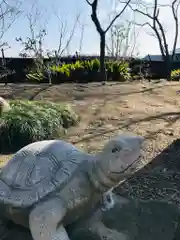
[116,149]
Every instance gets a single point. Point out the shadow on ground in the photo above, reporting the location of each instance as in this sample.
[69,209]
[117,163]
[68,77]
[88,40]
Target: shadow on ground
[131,220]
[158,180]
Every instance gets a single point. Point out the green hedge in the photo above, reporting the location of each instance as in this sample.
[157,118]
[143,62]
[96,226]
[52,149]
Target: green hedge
[30,121]
[82,71]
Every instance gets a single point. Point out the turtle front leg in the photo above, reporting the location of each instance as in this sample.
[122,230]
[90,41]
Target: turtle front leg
[45,221]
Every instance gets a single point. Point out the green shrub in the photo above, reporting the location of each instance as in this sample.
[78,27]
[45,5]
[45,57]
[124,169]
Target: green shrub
[65,69]
[35,76]
[118,70]
[30,121]
[175,74]
[91,66]
[77,66]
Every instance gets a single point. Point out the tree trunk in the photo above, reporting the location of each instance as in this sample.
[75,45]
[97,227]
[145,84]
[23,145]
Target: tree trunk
[102,57]
[168,64]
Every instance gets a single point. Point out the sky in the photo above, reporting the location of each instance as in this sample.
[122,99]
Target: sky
[67,10]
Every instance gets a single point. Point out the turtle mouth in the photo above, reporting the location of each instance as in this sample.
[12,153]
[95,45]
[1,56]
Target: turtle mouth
[122,171]
[127,167]
[117,172]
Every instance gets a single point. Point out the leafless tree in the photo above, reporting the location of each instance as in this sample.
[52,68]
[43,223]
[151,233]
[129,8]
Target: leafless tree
[122,40]
[33,45]
[159,30]
[102,32]
[9,12]
[65,35]
[82,27]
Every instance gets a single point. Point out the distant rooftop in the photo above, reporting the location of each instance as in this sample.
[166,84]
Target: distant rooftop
[159,58]
[177,50]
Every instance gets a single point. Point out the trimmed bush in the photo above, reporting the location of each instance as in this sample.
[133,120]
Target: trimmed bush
[30,121]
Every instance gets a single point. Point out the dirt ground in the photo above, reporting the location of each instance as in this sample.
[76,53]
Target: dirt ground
[148,109]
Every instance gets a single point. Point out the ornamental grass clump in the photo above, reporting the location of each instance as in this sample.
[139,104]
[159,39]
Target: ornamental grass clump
[29,121]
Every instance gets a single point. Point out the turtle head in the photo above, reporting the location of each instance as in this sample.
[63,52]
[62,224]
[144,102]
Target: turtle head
[117,157]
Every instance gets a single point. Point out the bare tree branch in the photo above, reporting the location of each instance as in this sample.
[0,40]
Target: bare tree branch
[33,44]
[65,35]
[89,2]
[71,35]
[118,15]
[94,17]
[81,36]
[8,15]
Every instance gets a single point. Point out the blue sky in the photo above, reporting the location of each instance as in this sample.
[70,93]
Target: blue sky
[68,10]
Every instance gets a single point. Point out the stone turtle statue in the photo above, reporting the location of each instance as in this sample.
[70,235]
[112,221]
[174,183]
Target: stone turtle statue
[50,184]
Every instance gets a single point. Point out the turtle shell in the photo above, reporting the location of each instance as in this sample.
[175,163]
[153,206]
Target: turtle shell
[37,170]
